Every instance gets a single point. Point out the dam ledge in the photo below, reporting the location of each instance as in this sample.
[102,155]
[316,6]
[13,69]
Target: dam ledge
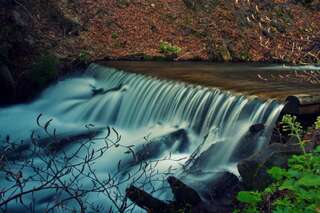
[299,98]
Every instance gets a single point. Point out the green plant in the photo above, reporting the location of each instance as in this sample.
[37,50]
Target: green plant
[84,57]
[295,189]
[317,123]
[44,70]
[114,35]
[244,55]
[123,3]
[169,49]
[291,125]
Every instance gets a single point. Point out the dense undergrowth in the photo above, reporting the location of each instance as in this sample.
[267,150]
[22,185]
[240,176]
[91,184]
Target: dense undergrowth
[295,189]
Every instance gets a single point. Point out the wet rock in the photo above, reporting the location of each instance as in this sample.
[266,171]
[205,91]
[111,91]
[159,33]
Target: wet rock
[182,193]
[220,189]
[277,136]
[102,91]
[190,200]
[146,201]
[256,128]
[203,158]
[7,85]
[253,170]
[249,143]
[292,140]
[13,150]
[176,141]
[224,186]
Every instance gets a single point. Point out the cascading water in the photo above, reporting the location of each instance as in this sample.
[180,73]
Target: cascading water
[139,106]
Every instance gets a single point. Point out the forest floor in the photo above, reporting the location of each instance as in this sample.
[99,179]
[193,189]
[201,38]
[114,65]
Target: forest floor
[230,30]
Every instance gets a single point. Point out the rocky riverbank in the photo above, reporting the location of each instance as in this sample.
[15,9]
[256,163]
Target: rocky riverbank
[221,191]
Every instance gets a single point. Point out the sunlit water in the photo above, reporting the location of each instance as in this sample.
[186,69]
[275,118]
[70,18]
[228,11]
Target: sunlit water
[141,109]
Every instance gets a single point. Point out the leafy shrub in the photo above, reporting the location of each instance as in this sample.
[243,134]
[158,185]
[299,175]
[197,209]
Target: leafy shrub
[44,70]
[84,57]
[295,189]
[169,49]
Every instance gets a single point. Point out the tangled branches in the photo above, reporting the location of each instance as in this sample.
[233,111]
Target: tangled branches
[55,173]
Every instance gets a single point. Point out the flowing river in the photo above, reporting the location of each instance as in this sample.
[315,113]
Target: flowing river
[130,113]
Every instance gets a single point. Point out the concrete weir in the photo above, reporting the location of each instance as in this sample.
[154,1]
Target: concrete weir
[290,85]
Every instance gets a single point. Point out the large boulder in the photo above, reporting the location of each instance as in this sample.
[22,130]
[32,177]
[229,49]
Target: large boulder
[224,186]
[220,189]
[247,146]
[186,199]
[253,170]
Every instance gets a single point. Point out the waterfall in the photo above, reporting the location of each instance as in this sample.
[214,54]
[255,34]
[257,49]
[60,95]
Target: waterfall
[137,104]
[141,101]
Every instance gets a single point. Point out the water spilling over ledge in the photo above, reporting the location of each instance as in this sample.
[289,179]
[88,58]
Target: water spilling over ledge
[181,120]
[296,86]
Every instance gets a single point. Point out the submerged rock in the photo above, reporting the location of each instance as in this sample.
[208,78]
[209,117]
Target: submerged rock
[203,159]
[256,128]
[186,200]
[55,143]
[224,186]
[247,146]
[182,193]
[253,170]
[219,189]
[177,141]
[102,91]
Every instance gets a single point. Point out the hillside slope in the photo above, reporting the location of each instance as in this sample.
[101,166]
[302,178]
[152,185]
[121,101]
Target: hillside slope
[229,30]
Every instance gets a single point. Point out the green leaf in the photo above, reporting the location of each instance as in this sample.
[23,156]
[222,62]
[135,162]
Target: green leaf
[288,184]
[309,180]
[294,173]
[317,149]
[277,173]
[249,197]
